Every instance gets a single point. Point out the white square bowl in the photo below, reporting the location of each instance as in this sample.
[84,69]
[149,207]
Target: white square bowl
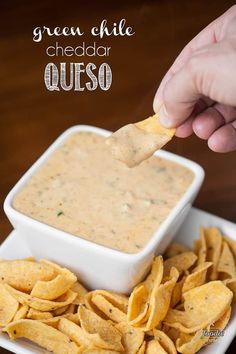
[98,266]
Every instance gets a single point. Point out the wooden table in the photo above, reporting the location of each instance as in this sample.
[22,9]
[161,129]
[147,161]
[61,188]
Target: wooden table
[32,117]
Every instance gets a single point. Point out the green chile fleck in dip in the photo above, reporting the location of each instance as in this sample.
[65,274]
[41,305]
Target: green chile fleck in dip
[83,190]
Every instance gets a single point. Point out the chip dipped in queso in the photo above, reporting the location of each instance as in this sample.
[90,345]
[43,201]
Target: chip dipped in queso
[81,189]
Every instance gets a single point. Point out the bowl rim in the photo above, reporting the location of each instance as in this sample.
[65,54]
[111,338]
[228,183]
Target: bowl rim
[77,241]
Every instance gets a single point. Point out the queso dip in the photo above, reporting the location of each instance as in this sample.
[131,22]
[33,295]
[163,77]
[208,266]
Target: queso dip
[83,190]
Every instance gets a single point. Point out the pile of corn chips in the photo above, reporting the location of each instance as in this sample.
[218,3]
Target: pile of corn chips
[186,294]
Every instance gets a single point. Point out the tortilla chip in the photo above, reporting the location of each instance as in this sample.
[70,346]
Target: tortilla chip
[182,262]
[138,305]
[21,312]
[100,332]
[174,249]
[100,351]
[226,262]
[38,315]
[120,301]
[171,332]
[152,125]
[197,277]
[54,321]
[220,324]
[177,292]
[139,298]
[72,309]
[40,304]
[154,347]
[165,341]
[8,306]
[214,243]
[50,290]
[203,306]
[142,348]
[61,310]
[160,300]
[23,275]
[81,292]
[59,270]
[132,338]
[45,336]
[232,245]
[191,344]
[111,312]
[202,251]
[231,284]
[74,332]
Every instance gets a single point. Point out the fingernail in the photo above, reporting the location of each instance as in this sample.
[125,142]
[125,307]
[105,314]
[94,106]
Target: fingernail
[164,119]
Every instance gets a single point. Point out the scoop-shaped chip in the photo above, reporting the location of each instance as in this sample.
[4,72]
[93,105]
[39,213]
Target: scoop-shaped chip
[139,298]
[153,125]
[172,333]
[156,274]
[177,292]
[154,347]
[160,300]
[197,277]
[100,351]
[191,344]
[8,306]
[203,306]
[142,348]
[61,310]
[21,312]
[72,308]
[45,336]
[81,292]
[181,261]
[226,262]
[38,315]
[202,251]
[74,332]
[174,249]
[134,143]
[111,312]
[23,275]
[132,338]
[54,321]
[100,332]
[118,300]
[59,270]
[165,341]
[231,284]
[50,290]
[214,244]
[40,304]
[232,244]
[138,305]
[220,325]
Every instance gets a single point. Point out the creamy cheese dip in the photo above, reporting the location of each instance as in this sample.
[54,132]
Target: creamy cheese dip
[83,190]
[133,145]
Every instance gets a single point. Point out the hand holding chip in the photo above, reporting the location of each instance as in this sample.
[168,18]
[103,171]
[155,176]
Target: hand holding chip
[198,93]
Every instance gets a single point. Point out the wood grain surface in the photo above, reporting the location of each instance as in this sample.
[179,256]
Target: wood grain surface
[32,117]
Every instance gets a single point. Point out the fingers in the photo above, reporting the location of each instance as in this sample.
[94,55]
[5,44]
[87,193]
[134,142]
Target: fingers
[211,119]
[223,139]
[207,74]
[186,129]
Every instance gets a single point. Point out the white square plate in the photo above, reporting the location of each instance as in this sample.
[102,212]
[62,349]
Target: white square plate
[13,248]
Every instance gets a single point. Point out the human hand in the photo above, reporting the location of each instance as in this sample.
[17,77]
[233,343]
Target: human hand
[198,93]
